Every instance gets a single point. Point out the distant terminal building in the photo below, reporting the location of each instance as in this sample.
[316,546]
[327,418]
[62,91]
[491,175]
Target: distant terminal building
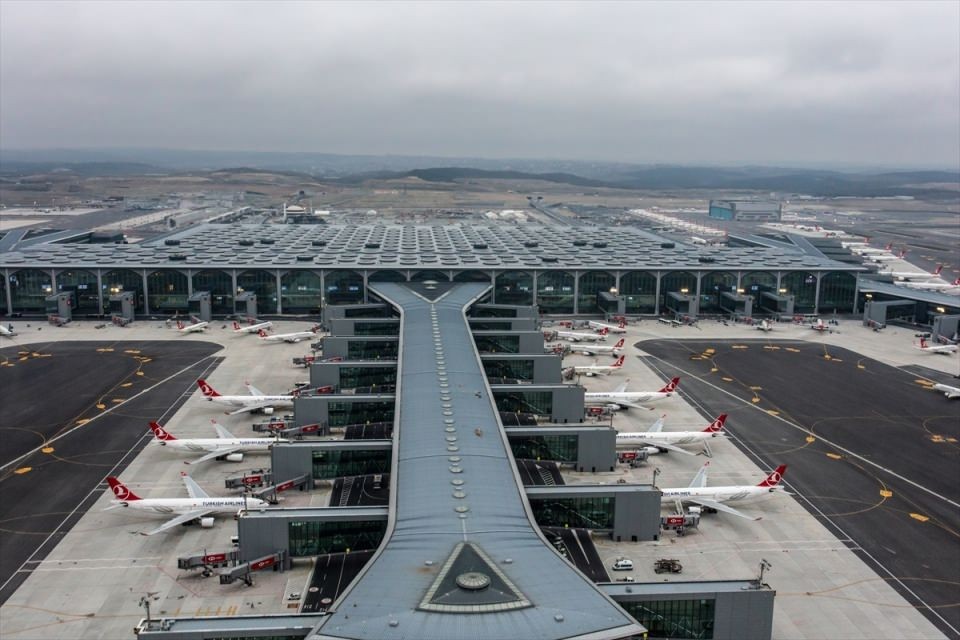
[746,210]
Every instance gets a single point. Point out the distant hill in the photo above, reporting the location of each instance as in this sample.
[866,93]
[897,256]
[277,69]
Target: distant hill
[456,174]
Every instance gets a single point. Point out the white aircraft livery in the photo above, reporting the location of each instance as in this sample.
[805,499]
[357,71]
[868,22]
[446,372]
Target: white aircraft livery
[950,392]
[715,497]
[198,507]
[286,337]
[595,369]
[256,401]
[251,328]
[620,397]
[620,327]
[593,349]
[671,440]
[191,328]
[913,275]
[943,349]
[573,336]
[225,446]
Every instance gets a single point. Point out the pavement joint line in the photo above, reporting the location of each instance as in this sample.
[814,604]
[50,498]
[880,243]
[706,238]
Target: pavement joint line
[98,489]
[820,438]
[100,415]
[932,609]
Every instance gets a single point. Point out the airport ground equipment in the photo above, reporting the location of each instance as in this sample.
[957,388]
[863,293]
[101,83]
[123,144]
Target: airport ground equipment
[244,571]
[666,565]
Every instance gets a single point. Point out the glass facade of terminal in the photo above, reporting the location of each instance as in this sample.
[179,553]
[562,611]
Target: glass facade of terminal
[301,292]
[167,292]
[537,402]
[343,413]
[343,287]
[220,286]
[515,369]
[680,619]
[639,289]
[376,328]
[587,512]
[119,280]
[712,286]
[558,448]
[83,287]
[329,464]
[28,290]
[837,292]
[591,283]
[313,538]
[555,292]
[802,285]
[264,284]
[513,287]
[497,343]
[682,282]
[372,349]
[352,377]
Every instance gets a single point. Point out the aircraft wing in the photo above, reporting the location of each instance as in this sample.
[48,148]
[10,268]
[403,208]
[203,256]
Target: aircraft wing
[249,407]
[253,390]
[210,456]
[657,426]
[713,504]
[670,447]
[193,488]
[222,431]
[622,386]
[186,517]
[632,405]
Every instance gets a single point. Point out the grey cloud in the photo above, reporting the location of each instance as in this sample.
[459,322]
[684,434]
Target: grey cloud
[644,82]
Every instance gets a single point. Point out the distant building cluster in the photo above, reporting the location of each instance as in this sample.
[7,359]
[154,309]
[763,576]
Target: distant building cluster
[747,210]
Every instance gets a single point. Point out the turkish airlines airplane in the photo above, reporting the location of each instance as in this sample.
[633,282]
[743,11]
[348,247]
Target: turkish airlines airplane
[950,392]
[251,328]
[672,440]
[763,326]
[931,286]
[716,497]
[620,397]
[191,328]
[861,249]
[944,349]
[597,349]
[820,326]
[885,257]
[913,275]
[224,446]
[7,333]
[595,369]
[198,507]
[621,327]
[287,337]
[573,336]
[256,401]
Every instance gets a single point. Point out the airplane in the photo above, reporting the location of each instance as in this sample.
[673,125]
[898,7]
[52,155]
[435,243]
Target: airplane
[820,326]
[861,249]
[950,392]
[763,326]
[224,446]
[251,328]
[620,327]
[6,332]
[198,507]
[573,336]
[671,440]
[885,257]
[596,349]
[932,286]
[256,401]
[595,369]
[620,397]
[191,328]
[944,349]
[287,337]
[913,275]
[715,497]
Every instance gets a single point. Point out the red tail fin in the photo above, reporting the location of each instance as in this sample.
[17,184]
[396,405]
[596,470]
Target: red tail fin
[619,343]
[121,490]
[923,343]
[717,425]
[605,331]
[160,432]
[956,282]
[262,333]
[937,271]
[619,362]
[179,324]
[206,389]
[622,325]
[774,478]
[236,326]
[670,388]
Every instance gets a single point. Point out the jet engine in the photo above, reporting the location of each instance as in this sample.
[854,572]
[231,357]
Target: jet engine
[267,411]
[207,522]
[234,457]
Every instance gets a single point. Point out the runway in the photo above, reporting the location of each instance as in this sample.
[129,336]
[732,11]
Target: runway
[872,451]
[75,412]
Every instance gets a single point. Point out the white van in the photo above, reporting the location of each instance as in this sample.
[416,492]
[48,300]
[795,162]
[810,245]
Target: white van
[623,564]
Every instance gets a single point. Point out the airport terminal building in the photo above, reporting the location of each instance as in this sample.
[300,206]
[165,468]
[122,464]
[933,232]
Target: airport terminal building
[269,270]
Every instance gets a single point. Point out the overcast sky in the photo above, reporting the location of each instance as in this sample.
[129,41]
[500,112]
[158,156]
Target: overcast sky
[691,83]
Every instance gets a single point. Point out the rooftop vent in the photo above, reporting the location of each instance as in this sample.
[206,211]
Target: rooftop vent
[319,243]
[599,245]
[304,258]
[172,243]
[668,245]
[530,244]
[246,243]
[179,257]
[579,243]
[267,240]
